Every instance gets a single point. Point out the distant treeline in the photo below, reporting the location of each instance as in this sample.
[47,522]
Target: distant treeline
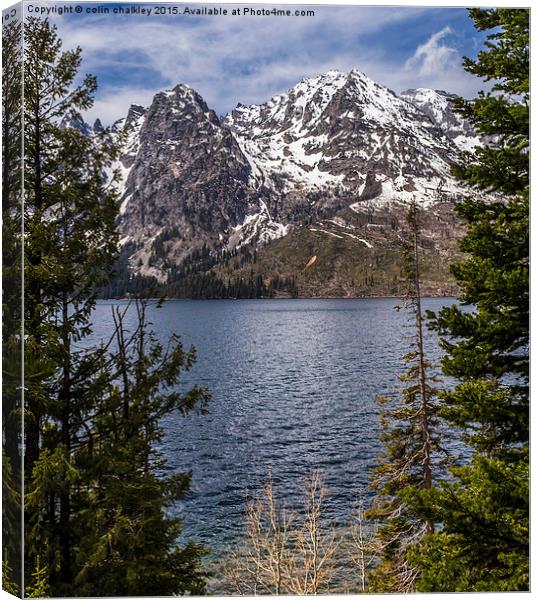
[210,286]
[202,286]
[194,279]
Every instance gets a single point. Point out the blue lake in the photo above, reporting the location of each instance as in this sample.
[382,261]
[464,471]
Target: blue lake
[293,386]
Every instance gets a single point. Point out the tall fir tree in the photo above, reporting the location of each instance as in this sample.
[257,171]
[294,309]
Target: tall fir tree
[70,248]
[483,541]
[11,302]
[411,444]
[124,543]
[71,472]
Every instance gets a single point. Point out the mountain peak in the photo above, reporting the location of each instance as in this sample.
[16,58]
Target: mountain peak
[75,120]
[357,73]
[137,109]
[329,77]
[135,113]
[181,89]
[97,126]
[182,99]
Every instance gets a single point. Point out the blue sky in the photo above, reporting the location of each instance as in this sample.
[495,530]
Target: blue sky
[231,59]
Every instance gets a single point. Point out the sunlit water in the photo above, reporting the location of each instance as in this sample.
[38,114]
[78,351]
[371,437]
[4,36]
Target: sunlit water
[293,386]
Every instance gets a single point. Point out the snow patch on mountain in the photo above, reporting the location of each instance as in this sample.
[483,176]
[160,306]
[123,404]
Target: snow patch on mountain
[126,133]
[258,227]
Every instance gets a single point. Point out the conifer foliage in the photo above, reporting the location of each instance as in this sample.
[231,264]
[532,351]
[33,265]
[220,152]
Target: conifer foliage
[69,247]
[130,544]
[11,304]
[483,542]
[96,502]
[411,443]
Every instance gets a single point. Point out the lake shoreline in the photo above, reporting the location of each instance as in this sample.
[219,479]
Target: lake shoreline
[376,297]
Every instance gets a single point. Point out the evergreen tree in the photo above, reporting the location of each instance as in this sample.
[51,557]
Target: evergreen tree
[88,466]
[11,112]
[126,543]
[70,248]
[151,562]
[483,542]
[11,302]
[11,529]
[410,438]
[48,77]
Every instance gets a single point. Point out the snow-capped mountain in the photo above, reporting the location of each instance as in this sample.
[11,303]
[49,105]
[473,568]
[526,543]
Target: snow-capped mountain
[341,138]
[330,144]
[335,129]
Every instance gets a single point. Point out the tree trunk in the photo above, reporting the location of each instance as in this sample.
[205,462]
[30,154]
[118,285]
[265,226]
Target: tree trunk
[32,301]
[65,495]
[424,408]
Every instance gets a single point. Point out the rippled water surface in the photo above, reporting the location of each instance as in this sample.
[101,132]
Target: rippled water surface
[293,386]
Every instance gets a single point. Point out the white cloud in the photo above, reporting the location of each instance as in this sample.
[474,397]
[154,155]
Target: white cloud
[437,65]
[433,56]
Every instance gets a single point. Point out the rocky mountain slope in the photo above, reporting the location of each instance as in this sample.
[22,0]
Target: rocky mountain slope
[437,104]
[337,157]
